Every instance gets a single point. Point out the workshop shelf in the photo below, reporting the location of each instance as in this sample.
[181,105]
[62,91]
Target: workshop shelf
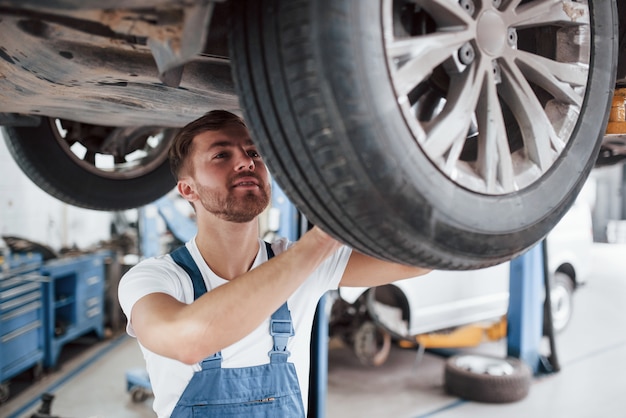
[74,300]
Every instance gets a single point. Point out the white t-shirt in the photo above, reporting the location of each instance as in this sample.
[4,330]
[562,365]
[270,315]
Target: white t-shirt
[169,377]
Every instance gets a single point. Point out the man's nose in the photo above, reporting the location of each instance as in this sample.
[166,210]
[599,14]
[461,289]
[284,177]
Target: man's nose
[245,161]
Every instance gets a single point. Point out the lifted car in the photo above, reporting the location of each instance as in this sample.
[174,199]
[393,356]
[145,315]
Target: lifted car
[452,134]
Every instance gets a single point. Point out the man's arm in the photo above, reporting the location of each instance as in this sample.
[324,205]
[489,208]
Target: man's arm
[221,317]
[366,271]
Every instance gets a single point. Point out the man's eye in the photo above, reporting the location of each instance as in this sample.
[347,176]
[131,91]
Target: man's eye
[221,155]
[254,154]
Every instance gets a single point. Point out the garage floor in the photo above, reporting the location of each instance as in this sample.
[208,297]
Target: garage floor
[91,380]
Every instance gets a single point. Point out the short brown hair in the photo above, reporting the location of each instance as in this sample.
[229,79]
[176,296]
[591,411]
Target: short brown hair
[210,121]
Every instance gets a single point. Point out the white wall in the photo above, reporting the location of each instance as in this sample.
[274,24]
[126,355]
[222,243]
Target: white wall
[28,212]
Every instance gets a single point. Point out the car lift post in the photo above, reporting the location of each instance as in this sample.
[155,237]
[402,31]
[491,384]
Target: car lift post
[148,231]
[525,315]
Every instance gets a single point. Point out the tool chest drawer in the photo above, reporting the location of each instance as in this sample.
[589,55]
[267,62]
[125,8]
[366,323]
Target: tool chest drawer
[22,342]
[20,310]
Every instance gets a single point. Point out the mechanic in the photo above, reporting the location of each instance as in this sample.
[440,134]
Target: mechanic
[224,322]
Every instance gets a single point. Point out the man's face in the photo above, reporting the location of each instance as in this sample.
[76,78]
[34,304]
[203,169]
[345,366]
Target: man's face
[229,176]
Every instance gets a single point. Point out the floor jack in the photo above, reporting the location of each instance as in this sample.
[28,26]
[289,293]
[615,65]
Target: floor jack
[45,408]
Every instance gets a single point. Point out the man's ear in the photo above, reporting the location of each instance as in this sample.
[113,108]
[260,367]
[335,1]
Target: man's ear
[186,189]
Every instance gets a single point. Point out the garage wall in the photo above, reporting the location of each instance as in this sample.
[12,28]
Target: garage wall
[28,212]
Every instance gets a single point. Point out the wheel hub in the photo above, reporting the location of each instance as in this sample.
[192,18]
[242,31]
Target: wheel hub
[491,33]
[485,365]
[487,88]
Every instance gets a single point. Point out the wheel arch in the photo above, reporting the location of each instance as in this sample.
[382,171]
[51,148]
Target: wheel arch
[570,271]
[393,295]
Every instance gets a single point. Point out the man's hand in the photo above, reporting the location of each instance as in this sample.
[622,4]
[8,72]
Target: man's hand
[324,239]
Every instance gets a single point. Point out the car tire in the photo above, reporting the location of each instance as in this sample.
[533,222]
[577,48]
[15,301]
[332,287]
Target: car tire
[47,158]
[561,302]
[371,344]
[328,111]
[487,379]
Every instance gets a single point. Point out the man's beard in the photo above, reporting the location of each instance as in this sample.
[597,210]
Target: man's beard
[233,207]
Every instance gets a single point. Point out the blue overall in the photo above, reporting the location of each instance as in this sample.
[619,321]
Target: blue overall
[268,390]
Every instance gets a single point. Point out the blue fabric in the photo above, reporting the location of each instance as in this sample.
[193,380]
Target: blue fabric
[269,390]
[183,258]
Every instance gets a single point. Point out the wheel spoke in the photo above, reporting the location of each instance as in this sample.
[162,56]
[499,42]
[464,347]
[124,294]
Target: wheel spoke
[452,159]
[574,74]
[417,57]
[446,13]
[537,131]
[544,12]
[90,157]
[557,78]
[494,155]
[452,124]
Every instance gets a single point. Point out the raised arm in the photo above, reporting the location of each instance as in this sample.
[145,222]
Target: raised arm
[228,313]
[363,270]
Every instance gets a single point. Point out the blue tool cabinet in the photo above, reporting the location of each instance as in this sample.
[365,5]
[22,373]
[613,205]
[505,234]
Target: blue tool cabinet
[22,343]
[74,300]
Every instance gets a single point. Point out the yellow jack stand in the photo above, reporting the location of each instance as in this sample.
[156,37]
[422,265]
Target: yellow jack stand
[467,336]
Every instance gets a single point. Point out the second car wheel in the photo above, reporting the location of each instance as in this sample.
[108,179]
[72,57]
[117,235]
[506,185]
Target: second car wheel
[95,167]
[446,134]
[486,378]
[561,300]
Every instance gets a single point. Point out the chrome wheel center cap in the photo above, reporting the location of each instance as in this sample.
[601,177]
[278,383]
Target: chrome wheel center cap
[491,33]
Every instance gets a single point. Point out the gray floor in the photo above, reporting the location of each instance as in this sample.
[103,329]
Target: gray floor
[591,383]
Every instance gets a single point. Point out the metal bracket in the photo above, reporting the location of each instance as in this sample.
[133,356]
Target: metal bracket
[172,50]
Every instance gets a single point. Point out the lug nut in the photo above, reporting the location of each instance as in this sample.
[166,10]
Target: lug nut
[497,73]
[511,37]
[468,6]
[467,54]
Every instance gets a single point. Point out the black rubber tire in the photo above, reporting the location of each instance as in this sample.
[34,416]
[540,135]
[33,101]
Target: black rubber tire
[312,80]
[42,158]
[487,388]
[563,284]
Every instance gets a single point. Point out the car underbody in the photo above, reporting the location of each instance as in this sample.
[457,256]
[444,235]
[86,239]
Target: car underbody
[104,63]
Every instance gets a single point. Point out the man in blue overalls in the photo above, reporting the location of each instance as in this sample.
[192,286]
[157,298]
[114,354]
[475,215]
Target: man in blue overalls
[224,322]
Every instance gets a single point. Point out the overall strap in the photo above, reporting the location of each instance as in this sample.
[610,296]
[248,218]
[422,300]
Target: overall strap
[183,258]
[281,327]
